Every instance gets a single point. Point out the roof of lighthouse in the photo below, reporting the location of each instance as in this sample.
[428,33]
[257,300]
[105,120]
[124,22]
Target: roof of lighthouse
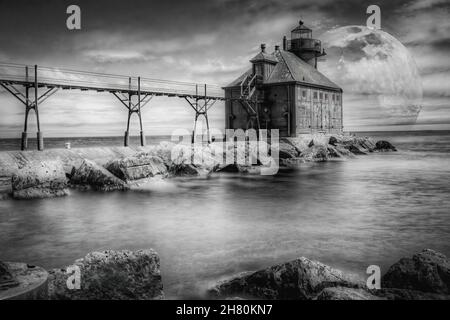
[263,56]
[290,68]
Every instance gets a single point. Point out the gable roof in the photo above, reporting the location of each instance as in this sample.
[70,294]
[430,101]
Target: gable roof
[262,56]
[290,68]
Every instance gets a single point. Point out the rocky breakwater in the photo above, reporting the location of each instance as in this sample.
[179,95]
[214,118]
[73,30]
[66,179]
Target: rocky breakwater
[109,275]
[28,175]
[424,276]
[321,147]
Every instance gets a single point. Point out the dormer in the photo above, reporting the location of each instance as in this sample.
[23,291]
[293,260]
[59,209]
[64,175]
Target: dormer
[263,63]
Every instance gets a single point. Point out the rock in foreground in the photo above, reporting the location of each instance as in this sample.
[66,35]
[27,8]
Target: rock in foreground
[116,275]
[427,271]
[300,279]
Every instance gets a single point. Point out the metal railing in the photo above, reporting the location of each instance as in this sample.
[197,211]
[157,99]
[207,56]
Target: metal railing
[304,44]
[67,78]
[248,86]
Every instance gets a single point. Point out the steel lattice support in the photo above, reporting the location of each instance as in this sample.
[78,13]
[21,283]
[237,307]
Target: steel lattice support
[132,107]
[30,105]
[200,105]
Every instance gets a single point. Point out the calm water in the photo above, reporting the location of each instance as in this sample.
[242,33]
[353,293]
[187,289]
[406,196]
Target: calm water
[78,142]
[370,210]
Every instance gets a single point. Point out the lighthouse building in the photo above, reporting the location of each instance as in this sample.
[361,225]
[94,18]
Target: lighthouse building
[284,90]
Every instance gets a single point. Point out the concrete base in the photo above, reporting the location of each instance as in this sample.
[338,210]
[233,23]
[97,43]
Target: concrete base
[40,140]
[126,139]
[24,141]
[142,139]
[32,283]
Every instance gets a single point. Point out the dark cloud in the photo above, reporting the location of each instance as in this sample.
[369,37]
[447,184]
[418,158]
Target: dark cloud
[442,44]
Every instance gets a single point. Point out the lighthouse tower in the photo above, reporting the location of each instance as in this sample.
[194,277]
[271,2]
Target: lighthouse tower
[303,45]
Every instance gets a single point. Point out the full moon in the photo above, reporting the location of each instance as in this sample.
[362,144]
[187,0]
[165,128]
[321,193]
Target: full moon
[379,76]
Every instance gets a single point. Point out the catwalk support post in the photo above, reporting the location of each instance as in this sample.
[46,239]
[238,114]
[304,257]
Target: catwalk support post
[126,98]
[126,140]
[30,103]
[24,144]
[40,136]
[139,113]
[201,109]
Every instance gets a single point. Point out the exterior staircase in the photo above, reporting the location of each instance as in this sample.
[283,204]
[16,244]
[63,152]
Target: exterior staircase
[248,99]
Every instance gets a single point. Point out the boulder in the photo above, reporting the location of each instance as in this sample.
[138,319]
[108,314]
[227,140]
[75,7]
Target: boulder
[237,168]
[91,174]
[40,179]
[164,151]
[345,293]
[137,167]
[333,153]
[188,160]
[341,149]
[355,150]
[365,143]
[39,193]
[333,141]
[427,271]
[384,146]
[181,170]
[231,168]
[316,153]
[111,275]
[299,279]
[287,150]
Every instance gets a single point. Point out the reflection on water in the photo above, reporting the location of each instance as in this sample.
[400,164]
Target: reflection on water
[370,210]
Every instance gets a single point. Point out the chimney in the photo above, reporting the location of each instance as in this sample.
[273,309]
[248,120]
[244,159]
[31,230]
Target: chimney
[284,43]
[263,47]
[277,48]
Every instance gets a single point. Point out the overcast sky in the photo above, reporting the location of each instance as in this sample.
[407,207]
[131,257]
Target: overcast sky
[201,41]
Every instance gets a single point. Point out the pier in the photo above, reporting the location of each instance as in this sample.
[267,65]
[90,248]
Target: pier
[32,85]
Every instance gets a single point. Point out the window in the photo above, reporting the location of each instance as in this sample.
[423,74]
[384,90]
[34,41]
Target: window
[315,94]
[321,96]
[304,94]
